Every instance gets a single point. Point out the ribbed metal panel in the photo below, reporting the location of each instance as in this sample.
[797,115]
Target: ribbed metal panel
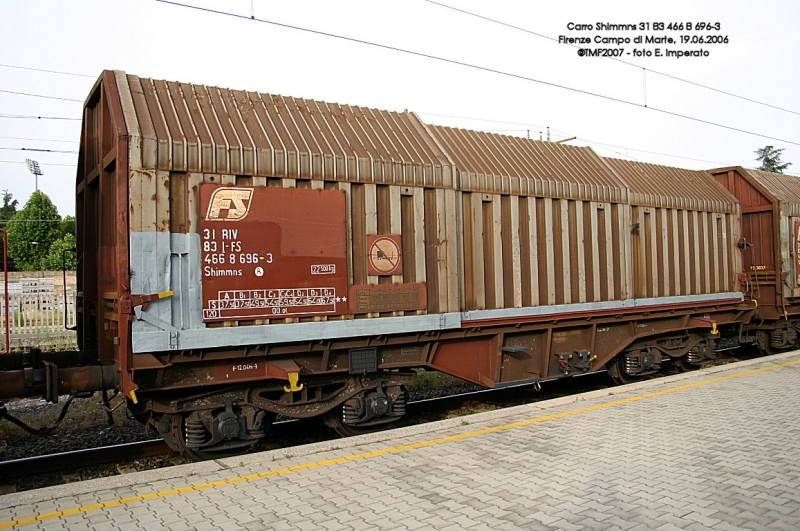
[785,188]
[491,163]
[195,128]
[667,187]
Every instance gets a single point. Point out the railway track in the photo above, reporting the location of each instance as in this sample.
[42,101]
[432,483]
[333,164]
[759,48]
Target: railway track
[51,463]
[52,469]
[65,467]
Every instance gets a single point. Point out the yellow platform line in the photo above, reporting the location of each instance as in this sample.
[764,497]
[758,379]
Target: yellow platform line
[375,453]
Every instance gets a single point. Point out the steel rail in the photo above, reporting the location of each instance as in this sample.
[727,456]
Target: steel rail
[52,463]
[47,464]
[59,462]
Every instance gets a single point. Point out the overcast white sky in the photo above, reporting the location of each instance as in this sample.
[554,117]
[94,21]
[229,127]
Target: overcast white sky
[162,41]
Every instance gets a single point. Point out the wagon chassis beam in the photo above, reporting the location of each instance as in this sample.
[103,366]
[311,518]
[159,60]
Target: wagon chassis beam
[254,395]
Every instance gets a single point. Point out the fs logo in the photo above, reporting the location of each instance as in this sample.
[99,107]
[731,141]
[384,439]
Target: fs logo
[235,201]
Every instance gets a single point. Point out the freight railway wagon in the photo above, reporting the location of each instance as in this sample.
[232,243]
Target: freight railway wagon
[243,255]
[771,250]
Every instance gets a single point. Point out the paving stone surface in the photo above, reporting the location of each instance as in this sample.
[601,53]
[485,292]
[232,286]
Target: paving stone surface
[715,449]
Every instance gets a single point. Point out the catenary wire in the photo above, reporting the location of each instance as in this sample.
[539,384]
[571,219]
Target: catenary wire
[28,116]
[627,156]
[480,119]
[533,128]
[481,68]
[39,139]
[41,163]
[35,220]
[608,146]
[47,71]
[39,96]
[554,130]
[36,149]
[676,78]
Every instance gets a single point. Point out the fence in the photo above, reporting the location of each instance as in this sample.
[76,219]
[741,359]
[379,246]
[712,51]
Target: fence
[37,319]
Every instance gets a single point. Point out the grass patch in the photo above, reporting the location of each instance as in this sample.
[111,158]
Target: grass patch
[42,338]
[84,413]
[435,380]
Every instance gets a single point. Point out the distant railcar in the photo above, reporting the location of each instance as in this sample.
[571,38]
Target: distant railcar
[243,255]
[770,244]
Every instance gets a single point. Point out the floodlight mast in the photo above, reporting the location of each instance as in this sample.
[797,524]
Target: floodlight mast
[33,167]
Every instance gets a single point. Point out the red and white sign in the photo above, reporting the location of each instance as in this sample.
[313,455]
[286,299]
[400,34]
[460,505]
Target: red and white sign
[384,255]
[272,252]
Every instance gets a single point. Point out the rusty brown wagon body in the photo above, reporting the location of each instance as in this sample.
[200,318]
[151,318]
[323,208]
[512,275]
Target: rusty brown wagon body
[771,251]
[243,255]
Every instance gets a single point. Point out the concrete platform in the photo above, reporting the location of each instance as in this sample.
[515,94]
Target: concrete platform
[713,449]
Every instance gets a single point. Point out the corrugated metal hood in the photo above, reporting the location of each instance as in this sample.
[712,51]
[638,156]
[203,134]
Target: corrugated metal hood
[492,163]
[667,187]
[197,128]
[785,188]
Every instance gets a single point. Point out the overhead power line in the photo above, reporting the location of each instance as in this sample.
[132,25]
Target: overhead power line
[627,156]
[607,146]
[512,26]
[481,68]
[35,149]
[553,130]
[528,126]
[47,71]
[36,220]
[481,120]
[26,116]
[39,96]
[43,163]
[39,139]
[592,142]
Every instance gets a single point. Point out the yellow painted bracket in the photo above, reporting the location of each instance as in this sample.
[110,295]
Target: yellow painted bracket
[133,397]
[143,300]
[714,329]
[293,387]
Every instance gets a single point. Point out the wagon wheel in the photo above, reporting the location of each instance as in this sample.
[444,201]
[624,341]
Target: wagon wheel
[218,451]
[334,420]
[616,369]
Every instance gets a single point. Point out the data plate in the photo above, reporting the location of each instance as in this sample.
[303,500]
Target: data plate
[387,298]
[272,252]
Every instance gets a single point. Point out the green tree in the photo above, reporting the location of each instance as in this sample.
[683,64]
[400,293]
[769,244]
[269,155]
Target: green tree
[61,249]
[8,209]
[7,212]
[770,159]
[68,226]
[32,231]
